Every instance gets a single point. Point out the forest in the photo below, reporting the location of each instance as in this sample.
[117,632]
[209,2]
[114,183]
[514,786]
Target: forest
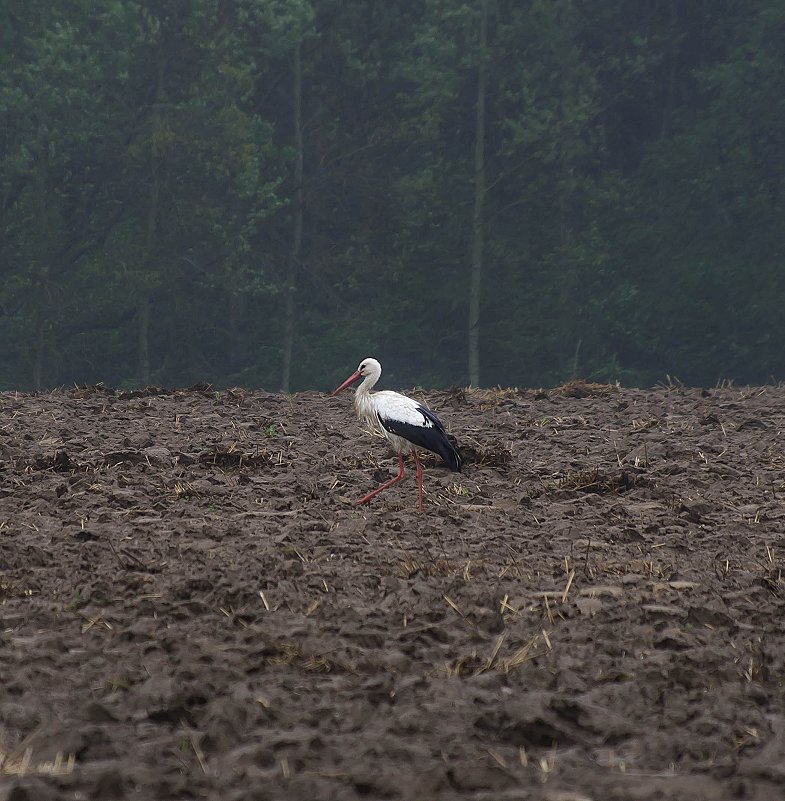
[260,193]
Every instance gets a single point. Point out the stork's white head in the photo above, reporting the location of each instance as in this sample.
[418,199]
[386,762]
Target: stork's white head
[369,369]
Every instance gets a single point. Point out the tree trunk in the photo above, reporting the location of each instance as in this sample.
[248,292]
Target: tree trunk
[475,283]
[143,306]
[238,344]
[40,341]
[143,330]
[297,222]
[673,55]
[44,254]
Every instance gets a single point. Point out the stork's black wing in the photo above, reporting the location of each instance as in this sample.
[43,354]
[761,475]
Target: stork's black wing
[428,434]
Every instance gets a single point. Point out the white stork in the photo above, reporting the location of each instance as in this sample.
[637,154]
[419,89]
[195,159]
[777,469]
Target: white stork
[405,423]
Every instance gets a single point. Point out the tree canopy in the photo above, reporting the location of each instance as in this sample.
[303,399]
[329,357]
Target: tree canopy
[263,192]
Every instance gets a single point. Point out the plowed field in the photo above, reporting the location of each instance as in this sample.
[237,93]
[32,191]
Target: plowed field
[191,606]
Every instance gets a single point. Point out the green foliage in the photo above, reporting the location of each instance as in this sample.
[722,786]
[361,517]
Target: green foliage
[633,213]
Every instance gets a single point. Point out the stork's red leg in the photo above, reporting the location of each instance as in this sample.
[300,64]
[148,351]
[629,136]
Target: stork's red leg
[387,484]
[419,479]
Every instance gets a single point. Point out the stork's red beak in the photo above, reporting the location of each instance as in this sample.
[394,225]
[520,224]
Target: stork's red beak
[349,381]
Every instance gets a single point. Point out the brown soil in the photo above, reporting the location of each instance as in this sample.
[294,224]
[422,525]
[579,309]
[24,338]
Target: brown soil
[190,606]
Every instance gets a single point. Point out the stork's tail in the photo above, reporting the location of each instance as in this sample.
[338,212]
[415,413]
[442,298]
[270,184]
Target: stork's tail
[450,453]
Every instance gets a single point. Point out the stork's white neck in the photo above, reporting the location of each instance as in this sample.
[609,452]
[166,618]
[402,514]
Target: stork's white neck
[363,402]
[367,384]
[373,374]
